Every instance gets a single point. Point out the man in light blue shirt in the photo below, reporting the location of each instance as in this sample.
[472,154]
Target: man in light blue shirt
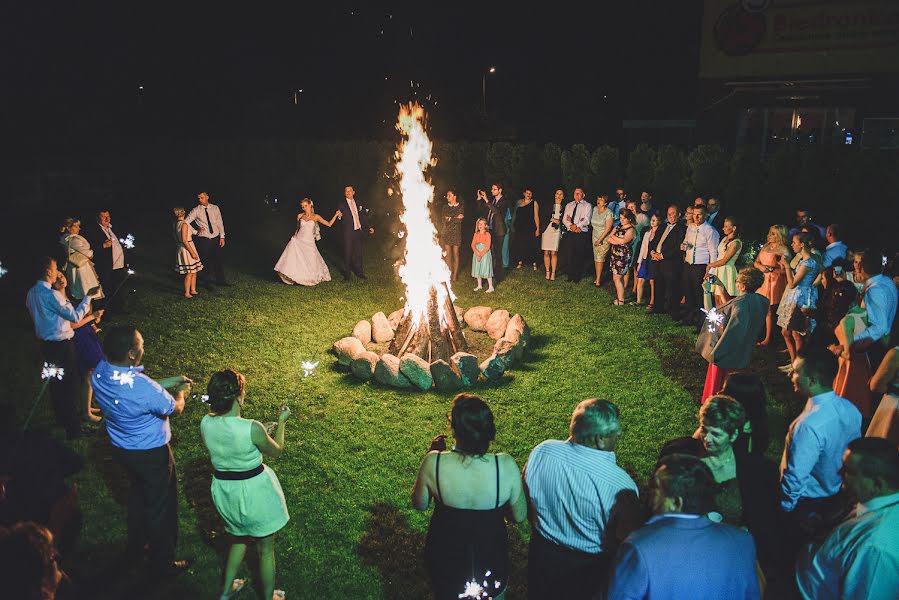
[859,560]
[880,296]
[835,249]
[581,504]
[137,410]
[53,316]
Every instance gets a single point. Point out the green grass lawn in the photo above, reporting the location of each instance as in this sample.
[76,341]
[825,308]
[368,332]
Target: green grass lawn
[353,448]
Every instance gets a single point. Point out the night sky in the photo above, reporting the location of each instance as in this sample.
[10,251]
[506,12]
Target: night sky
[216,69]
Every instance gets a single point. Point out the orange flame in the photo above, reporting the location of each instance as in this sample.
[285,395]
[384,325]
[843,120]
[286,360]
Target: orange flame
[423,267]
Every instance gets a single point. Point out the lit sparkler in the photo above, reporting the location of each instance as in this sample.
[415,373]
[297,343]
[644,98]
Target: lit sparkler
[308,368]
[713,319]
[473,589]
[126,378]
[127,241]
[2,270]
[50,371]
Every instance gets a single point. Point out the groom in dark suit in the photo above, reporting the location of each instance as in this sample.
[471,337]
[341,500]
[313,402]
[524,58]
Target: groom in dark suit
[109,260]
[354,218]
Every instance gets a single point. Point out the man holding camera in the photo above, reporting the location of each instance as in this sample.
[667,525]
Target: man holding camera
[496,221]
[700,248]
[137,411]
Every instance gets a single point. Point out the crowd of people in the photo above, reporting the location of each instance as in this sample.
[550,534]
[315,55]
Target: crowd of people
[827,509]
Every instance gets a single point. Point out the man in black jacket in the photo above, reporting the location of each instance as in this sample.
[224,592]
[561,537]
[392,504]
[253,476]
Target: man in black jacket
[669,262]
[495,213]
[109,259]
[354,220]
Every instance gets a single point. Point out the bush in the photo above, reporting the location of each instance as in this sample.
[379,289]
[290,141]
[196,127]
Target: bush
[709,167]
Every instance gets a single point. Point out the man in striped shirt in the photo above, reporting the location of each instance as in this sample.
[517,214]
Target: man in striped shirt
[581,503]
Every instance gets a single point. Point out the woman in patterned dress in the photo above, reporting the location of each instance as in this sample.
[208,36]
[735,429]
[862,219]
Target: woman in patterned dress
[622,251]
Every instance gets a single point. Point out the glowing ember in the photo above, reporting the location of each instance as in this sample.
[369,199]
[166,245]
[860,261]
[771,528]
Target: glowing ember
[50,371]
[423,269]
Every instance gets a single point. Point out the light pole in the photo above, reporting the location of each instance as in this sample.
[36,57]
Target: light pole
[490,71]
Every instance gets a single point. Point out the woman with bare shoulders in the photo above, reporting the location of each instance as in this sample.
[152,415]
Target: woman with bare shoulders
[301,263]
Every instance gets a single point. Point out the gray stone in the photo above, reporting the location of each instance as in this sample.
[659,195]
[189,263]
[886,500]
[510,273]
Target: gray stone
[380,328]
[446,376]
[417,370]
[507,350]
[497,323]
[477,316]
[394,318]
[347,349]
[362,332]
[387,371]
[363,366]
[467,365]
[518,323]
[493,368]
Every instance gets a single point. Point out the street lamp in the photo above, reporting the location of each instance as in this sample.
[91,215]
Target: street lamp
[490,71]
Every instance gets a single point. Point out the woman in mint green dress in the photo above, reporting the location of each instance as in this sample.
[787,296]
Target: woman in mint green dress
[246,493]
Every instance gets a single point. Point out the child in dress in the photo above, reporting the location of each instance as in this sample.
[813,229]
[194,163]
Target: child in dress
[482,260]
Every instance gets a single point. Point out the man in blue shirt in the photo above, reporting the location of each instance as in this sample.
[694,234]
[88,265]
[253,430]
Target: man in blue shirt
[835,249]
[53,316]
[681,553]
[137,409]
[881,297]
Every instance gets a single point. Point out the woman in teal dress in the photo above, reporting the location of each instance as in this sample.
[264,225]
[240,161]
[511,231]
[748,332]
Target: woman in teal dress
[246,493]
[482,257]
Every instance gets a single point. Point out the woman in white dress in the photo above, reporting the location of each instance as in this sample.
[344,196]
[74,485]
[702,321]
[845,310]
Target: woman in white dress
[187,261]
[79,267]
[301,263]
[549,242]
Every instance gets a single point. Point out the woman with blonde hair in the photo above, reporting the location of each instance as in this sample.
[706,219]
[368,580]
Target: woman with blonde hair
[79,268]
[187,261]
[768,262]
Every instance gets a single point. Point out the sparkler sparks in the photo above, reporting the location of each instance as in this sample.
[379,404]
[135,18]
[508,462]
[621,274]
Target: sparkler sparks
[127,241]
[713,319]
[308,367]
[50,371]
[2,270]
[131,271]
[126,378]
[473,589]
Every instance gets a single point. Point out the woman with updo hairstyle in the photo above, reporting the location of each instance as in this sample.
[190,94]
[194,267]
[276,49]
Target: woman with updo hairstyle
[246,493]
[79,266]
[474,492]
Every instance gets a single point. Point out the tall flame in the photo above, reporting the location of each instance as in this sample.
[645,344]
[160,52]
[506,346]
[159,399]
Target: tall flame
[423,268]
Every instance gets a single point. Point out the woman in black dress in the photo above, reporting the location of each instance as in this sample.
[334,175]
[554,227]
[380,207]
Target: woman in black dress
[473,494]
[451,231]
[526,232]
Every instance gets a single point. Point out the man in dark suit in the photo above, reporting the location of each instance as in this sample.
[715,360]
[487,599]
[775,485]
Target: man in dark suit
[495,213]
[354,219]
[669,261]
[716,216]
[109,259]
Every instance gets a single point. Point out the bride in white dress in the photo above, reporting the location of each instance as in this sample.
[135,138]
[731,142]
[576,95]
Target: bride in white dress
[301,263]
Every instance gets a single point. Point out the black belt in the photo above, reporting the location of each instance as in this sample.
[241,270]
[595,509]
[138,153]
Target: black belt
[238,475]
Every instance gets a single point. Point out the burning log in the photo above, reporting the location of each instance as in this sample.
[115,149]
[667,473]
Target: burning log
[432,338]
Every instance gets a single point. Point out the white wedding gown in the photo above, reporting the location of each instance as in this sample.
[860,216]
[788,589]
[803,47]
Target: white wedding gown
[301,263]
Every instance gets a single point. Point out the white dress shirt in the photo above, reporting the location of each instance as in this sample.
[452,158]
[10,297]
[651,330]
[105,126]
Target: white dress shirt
[703,244]
[813,453]
[859,560]
[197,216]
[118,254]
[354,210]
[578,213]
[52,313]
[879,299]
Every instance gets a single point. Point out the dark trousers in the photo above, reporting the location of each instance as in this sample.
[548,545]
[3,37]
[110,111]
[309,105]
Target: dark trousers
[496,254]
[691,286]
[558,572]
[112,280]
[573,254]
[212,255]
[352,253]
[668,294]
[152,502]
[876,353]
[811,521]
[64,392]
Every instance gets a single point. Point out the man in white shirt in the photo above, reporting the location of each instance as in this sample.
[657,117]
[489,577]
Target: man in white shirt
[53,316]
[575,245]
[859,560]
[109,259]
[581,505]
[700,248]
[206,219]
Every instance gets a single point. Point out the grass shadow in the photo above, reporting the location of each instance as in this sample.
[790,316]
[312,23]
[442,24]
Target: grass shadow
[679,361]
[99,455]
[196,476]
[397,551]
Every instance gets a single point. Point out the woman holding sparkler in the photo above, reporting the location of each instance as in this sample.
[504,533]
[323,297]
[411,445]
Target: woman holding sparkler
[246,493]
[473,494]
[79,268]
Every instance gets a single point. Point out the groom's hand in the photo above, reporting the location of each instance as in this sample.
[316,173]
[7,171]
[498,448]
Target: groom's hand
[371,231]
